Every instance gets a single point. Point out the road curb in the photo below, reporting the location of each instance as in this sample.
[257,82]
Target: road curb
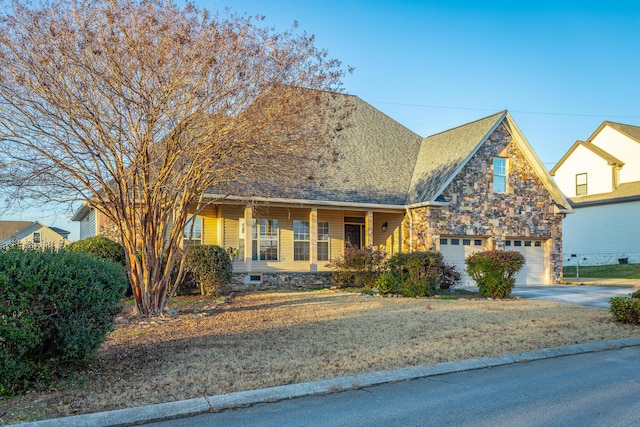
[170,410]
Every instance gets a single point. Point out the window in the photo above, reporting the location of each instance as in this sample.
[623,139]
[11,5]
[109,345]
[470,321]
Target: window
[581,184]
[477,242]
[443,241]
[507,243]
[466,242]
[455,241]
[499,175]
[37,237]
[264,239]
[527,243]
[264,236]
[301,239]
[517,243]
[192,233]
[323,241]
[538,244]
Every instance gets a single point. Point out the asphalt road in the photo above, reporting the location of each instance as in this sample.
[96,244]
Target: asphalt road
[593,389]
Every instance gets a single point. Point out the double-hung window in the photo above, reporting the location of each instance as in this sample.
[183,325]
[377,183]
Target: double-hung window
[264,234]
[37,238]
[301,238]
[581,184]
[323,241]
[192,233]
[302,241]
[499,175]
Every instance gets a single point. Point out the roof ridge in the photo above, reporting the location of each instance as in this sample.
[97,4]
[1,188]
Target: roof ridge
[467,124]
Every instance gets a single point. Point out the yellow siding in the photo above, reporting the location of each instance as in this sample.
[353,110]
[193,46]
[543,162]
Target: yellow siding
[391,239]
[210,226]
[231,215]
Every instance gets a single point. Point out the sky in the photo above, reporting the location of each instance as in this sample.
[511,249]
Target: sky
[561,68]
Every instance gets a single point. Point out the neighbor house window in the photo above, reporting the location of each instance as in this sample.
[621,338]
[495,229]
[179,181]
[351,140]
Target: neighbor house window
[323,241]
[37,237]
[301,239]
[192,233]
[499,175]
[581,184]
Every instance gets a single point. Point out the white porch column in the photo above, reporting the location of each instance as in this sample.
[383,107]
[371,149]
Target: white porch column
[313,241]
[368,229]
[248,237]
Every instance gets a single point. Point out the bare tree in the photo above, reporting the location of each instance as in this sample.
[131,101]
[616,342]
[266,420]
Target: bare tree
[141,106]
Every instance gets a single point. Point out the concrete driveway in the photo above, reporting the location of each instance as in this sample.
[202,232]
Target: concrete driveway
[589,296]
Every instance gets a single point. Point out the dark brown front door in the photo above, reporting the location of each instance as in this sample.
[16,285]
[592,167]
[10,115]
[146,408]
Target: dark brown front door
[353,235]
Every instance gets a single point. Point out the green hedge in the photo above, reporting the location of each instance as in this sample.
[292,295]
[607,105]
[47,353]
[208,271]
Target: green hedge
[211,265]
[56,308]
[495,271]
[625,309]
[101,248]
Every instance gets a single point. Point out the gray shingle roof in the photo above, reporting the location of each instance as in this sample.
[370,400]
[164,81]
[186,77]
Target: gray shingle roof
[376,164]
[442,155]
[628,191]
[9,228]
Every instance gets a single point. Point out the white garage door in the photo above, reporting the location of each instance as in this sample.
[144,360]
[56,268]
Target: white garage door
[532,273]
[456,249]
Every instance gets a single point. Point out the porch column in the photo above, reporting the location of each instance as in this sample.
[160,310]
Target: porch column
[248,237]
[368,229]
[313,241]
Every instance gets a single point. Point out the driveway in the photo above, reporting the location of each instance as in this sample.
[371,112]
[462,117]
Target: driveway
[589,296]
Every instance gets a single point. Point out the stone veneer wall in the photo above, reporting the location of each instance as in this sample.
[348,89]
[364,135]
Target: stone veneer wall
[289,281]
[526,210]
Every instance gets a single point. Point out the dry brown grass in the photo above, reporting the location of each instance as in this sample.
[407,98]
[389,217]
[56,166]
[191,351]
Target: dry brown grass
[209,347]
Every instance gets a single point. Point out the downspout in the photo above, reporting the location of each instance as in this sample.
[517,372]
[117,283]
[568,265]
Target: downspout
[410,229]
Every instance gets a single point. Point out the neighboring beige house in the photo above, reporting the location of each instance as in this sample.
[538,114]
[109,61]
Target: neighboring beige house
[31,233]
[475,187]
[601,176]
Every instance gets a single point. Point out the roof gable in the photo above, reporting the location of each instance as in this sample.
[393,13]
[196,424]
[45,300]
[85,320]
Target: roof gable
[633,132]
[443,155]
[610,159]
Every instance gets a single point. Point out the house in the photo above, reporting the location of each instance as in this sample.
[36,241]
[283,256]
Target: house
[31,233]
[476,187]
[601,177]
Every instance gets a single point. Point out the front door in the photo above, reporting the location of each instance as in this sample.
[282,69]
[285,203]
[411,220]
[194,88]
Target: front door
[353,235]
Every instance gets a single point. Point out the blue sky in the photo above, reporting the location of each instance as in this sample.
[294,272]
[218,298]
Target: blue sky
[560,67]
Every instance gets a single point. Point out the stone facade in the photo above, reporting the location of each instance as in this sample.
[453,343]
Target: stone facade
[526,210]
[290,281]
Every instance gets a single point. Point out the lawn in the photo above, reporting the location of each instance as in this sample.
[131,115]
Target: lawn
[206,347]
[617,271]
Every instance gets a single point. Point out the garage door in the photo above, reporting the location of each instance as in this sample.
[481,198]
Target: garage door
[532,273]
[456,249]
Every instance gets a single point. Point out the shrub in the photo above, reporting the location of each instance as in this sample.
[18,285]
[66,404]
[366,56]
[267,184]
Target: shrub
[358,267]
[211,265]
[57,307]
[636,294]
[387,283]
[418,273]
[101,248]
[449,276]
[625,309]
[494,271]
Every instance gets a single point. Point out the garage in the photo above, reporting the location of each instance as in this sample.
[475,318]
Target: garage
[456,249]
[532,272]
